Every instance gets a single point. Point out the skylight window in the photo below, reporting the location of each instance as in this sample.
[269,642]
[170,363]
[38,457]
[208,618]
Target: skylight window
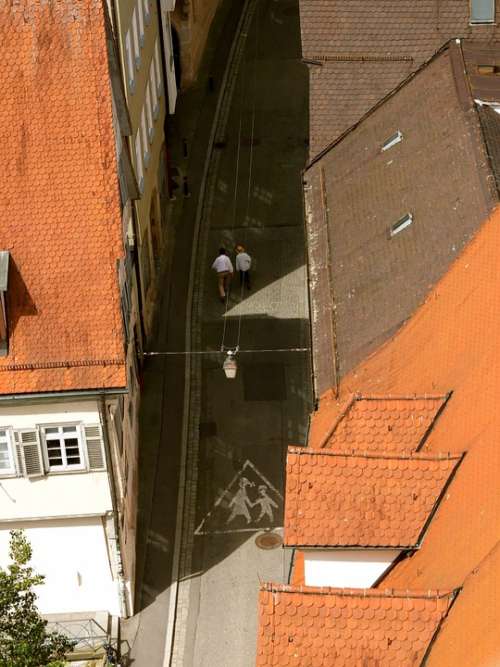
[482,11]
[488,70]
[401,224]
[393,140]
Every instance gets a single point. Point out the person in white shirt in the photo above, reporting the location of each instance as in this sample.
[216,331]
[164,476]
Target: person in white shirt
[243,264]
[224,269]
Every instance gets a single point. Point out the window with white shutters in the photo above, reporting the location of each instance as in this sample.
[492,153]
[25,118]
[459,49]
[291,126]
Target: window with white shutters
[95,449]
[154,89]
[29,453]
[157,62]
[63,447]
[149,113]
[129,57]
[7,466]
[140,9]
[135,39]
[139,169]
[144,137]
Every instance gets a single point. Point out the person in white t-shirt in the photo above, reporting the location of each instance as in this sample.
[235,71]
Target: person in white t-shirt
[224,269]
[243,264]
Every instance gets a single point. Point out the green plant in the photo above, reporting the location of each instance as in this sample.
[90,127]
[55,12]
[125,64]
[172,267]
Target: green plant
[24,640]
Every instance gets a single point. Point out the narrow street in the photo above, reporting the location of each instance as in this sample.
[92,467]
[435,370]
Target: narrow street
[231,444]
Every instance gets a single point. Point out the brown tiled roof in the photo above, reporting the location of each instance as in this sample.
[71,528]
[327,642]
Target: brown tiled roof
[386,33]
[365,284]
[452,341]
[490,124]
[60,205]
[339,500]
[347,627]
[382,424]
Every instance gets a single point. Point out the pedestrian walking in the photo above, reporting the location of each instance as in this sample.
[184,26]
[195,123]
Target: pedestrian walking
[224,269]
[243,264]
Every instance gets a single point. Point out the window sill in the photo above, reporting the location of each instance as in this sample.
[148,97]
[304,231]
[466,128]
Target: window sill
[66,471]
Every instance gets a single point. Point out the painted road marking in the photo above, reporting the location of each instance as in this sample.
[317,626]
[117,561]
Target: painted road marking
[238,502]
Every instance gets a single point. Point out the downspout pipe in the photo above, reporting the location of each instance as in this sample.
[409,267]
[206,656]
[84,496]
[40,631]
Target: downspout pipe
[122,590]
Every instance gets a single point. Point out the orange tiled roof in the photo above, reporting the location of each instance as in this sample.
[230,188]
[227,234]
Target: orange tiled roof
[452,342]
[388,424]
[368,500]
[60,206]
[347,627]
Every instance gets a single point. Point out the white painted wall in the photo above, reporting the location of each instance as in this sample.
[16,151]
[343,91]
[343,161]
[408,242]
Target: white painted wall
[29,415]
[55,495]
[346,568]
[73,555]
[61,494]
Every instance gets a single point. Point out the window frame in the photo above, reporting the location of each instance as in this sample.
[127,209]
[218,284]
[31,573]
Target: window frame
[135,39]
[149,112]
[491,21]
[400,225]
[144,137]
[139,166]
[147,10]
[129,57]
[12,470]
[140,10]
[157,65]
[393,140]
[154,90]
[65,467]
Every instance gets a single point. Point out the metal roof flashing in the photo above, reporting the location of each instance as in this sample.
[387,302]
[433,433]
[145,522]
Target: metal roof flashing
[4,270]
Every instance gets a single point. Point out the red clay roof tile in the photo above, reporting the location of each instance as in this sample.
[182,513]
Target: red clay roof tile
[346,627]
[339,500]
[382,424]
[60,205]
[452,342]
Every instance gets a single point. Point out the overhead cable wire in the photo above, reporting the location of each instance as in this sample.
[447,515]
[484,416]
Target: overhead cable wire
[254,351]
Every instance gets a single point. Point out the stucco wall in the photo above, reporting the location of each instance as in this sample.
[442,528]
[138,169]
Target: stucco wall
[73,556]
[346,568]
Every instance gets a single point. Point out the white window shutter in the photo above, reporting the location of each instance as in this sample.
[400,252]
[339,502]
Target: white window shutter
[29,453]
[95,449]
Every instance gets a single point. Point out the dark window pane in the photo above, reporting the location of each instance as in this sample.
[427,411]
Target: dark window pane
[55,461]
[69,429]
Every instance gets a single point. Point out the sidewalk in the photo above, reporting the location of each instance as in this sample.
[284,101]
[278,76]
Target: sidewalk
[243,426]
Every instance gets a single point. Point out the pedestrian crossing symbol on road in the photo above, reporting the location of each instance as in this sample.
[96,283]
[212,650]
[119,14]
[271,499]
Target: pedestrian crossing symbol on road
[248,503]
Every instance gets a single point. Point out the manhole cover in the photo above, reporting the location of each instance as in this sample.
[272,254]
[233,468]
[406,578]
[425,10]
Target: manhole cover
[268,541]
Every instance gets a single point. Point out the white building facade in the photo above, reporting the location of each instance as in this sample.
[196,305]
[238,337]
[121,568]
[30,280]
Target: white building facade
[56,484]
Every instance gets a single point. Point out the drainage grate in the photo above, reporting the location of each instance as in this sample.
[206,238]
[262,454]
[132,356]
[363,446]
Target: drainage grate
[269,541]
